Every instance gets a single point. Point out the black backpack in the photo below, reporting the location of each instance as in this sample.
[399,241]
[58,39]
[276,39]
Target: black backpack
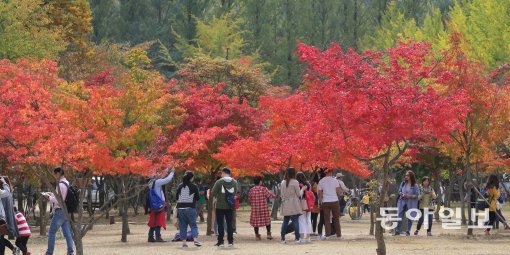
[71,199]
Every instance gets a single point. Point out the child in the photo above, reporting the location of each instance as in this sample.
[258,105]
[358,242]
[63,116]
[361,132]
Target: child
[24,232]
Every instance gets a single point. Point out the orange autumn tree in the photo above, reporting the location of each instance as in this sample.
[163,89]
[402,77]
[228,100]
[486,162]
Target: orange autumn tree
[126,116]
[355,109]
[35,133]
[212,120]
[486,124]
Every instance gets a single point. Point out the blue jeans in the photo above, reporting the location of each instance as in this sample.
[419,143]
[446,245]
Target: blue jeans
[295,224]
[187,217]
[399,224]
[59,220]
[157,230]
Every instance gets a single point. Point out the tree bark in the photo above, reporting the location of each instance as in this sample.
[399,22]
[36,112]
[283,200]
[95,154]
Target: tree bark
[381,245]
[42,216]
[468,178]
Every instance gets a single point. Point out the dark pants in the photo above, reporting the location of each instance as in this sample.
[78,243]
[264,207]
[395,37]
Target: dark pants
[314,221]
[366,208]
[320,226]
[492,219]
[342,204]
[422,218]
[221,216]
[295,224]
[332,208]
[21,242]
[268,228]
[153,230]
[5,243]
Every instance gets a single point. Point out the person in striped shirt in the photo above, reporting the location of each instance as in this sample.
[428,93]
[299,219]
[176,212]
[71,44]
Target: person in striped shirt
[24,232]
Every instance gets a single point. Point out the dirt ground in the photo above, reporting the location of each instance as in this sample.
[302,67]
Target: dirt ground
[105,239]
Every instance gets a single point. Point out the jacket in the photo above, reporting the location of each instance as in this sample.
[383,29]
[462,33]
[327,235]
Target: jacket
[493,198]
[218,191]
[10,216]
[291,204]
[412,203]
[426,197]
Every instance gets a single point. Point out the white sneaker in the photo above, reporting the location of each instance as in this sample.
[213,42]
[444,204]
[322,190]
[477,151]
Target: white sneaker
[324,238]
[300,241]
[283,242]
[309,240]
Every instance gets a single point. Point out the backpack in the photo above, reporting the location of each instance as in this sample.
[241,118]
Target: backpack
[310,199]
[71,199]
[156,203]
[177,237]
[481,204]
[230,197]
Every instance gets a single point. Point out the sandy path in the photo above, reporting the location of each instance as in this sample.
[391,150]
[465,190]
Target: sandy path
[105,239]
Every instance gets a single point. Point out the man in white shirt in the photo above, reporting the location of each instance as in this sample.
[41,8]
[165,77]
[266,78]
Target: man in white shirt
[59,218]
[329,190]
[343,190]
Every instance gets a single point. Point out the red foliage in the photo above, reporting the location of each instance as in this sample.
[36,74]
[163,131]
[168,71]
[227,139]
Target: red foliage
[351,106]
[212,121]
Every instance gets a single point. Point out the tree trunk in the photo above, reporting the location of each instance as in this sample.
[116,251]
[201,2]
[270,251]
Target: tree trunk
[462,194]
[124,210]
[381,245]
[78,242]
[372,219]
[19,190]
[125,224]
[468,178]
[42,216]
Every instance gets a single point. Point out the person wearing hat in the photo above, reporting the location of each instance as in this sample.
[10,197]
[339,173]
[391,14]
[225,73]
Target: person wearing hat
[329,190]
[343,190]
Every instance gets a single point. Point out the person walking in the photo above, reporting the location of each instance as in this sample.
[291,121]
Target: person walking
[187,195]
[305,219]
[5,193]
[291,204]
[259,215]
[157,219]
[329,191]
[24,232]
[366,202]
[224,191]
[315,210]
[202,201]
[408,199]
[426,200]
[343,190]
[59,219]
[492,189]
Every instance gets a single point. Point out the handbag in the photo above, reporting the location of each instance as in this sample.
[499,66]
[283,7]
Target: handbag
[316,209]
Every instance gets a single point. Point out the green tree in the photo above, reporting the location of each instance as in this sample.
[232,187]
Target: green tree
[485,24]
[25,31]
[220,37]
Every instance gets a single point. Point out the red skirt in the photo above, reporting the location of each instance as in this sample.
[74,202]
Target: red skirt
[157,219]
